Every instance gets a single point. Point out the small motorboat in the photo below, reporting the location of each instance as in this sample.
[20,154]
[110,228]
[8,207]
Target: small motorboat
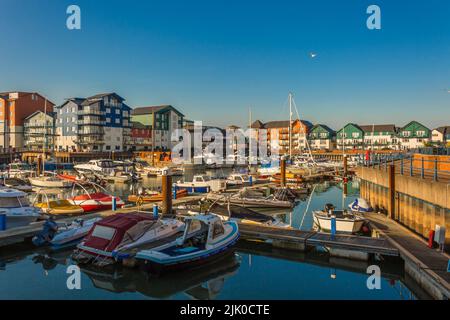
[346,222]
[17,184]
[202,184]
[95,201]
[360,205]
[146,233]
[118,177]
[154,196]
[59,207]
[50,181]
[247,199]
[237,179]
[63,235]
[114,238]
[238,214]
[206,237]
[14,204]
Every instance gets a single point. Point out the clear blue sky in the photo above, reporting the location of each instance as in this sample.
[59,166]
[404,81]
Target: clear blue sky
[214,59]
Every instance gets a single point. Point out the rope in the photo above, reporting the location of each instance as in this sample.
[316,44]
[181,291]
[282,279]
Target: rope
[307,206]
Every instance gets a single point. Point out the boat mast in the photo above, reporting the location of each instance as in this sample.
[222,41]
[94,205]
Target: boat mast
[290,125]
[250,138]
[45,137]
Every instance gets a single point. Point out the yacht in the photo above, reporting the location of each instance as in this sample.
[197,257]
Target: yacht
[202,184]
[14,204]
[237,179]
[102,167]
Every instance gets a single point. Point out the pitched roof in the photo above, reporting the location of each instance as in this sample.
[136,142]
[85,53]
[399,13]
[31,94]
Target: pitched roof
[22,93]
[49,113]
[277,124]
[152,109]
[327,128]
[443,129]
[379,128]
[99,97]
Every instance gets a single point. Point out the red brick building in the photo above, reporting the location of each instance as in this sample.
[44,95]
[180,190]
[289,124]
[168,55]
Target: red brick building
[14,108]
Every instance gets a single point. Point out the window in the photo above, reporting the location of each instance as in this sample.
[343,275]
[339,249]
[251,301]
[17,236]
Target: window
[9,202]
[218,229]
[108,110]
[117,121]
[108,147]
[420,133]
[117,147]
[355,134]
[108,120]
[117,111]
[103,232]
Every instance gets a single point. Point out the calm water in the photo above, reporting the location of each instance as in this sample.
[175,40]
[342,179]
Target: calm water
[255,271]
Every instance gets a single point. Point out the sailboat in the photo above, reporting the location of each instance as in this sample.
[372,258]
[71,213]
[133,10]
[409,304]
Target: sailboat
[52,180]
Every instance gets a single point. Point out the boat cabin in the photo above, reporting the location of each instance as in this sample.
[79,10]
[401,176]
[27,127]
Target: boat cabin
[201,231]
[201,178]
[10,198]
[239,179]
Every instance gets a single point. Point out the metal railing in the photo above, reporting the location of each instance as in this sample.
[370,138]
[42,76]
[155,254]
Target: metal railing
[408,164]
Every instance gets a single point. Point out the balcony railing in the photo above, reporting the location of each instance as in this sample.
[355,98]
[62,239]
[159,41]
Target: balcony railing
[85,122]
[95,112]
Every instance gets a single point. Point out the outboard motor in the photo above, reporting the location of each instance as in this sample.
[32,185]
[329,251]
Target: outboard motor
[48,232]
[329,207]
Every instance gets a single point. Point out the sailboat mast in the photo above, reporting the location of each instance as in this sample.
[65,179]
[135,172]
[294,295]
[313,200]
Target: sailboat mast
[290,125]
[250,139]
[45,136]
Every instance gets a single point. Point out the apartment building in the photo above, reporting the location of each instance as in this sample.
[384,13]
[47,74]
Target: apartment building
[40,131]
[163,120]
[14,108]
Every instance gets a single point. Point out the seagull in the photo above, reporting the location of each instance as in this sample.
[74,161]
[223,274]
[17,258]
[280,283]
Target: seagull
[313,55]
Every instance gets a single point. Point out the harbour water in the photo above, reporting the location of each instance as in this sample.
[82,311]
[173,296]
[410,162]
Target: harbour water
[254,271]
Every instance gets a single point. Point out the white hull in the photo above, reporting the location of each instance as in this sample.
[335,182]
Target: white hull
[19,221]
[73,233]
[342,225]
[44,182]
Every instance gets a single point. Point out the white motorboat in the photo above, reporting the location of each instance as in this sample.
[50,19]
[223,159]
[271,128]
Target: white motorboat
[102,167]
[146,233]
[159,171]
[206,238]
[17,184]
[237,179]
[14,204]
[50,182]
[18,169]
[346,222]
[202,184]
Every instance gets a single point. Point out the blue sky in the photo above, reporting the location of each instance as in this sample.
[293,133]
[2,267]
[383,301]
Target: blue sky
[214,59]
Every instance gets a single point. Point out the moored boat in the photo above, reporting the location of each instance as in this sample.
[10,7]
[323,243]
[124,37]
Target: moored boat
[17,184]
[95,201]
[206,237]
[155,197]
[346,222]
[50,181]
[201,184]
[14,204]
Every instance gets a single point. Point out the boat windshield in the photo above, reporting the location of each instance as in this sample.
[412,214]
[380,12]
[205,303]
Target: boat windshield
[245,177]
[207,178]
[24,201]
[103,232]
[10,202]
[19,166]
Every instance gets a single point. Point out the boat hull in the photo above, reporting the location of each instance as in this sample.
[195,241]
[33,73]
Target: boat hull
[19,221]
[194,189]
[50,184]
[342,226]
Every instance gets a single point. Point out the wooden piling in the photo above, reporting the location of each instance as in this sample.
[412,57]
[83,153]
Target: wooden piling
[39,166]
[345,166]
[283,172]
[167,194]
[391,197]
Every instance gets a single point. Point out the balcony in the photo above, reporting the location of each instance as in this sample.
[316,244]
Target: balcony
[90,111]
[89,141]
[91,122]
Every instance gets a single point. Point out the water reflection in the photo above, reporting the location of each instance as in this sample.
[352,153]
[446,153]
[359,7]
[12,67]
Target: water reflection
[204,283]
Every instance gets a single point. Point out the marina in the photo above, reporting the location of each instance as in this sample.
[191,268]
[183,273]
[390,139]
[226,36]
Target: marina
[260,220]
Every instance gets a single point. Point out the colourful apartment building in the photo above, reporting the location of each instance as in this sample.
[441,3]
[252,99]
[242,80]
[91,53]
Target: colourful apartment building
[141,137]
[163,120]
[15,107]
[284,134]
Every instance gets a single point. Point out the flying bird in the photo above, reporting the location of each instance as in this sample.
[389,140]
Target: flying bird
[313,55]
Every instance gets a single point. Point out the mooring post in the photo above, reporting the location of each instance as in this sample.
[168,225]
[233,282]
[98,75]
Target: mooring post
[422,171]
[283,172]
[391,191]
[39,166]
[435,177]
[114,203]
[155,211]
[333,228]
[345,166]
[167,194]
